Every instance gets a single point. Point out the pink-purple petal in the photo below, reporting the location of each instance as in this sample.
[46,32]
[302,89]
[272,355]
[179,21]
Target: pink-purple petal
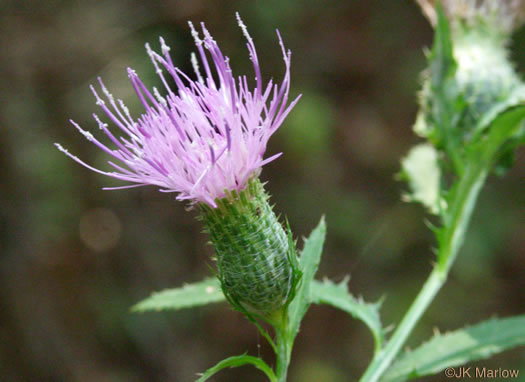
[205,137]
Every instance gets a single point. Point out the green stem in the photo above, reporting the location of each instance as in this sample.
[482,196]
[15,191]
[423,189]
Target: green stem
[450,240]
[284,350]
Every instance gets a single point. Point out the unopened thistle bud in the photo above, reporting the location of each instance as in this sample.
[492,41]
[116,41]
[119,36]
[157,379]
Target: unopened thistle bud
[205,141]
[254,256]
[484,75]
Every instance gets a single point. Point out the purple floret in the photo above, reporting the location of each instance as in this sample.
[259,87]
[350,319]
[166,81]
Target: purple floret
[205,137]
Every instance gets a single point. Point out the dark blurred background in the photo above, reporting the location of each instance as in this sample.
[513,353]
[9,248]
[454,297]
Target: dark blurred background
[74,258]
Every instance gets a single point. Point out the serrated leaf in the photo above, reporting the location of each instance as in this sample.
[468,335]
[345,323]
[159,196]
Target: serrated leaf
[459,347]
[421,169]
[189,296]
[308,263]
[236,361]
[337,295]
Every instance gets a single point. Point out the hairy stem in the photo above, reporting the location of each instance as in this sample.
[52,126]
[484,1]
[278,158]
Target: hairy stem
[451,238]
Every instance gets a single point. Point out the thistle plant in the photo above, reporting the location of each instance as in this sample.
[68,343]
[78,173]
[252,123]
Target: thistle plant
[472,112]
[205,141]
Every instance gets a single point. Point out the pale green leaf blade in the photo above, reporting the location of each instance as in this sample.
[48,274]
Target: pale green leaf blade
[308,262]
[190,295]
[236,361]
[337,295]
[459,347]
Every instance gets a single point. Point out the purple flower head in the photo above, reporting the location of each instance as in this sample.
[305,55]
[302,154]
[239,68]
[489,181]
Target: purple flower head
[205,137]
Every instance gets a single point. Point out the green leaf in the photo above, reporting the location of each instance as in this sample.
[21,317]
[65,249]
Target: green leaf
[190,295]
[442,62]
[236,361]
[506,126]
[308,263]
[516,98]
[506,133]
[502,135]
[459,347]
[446,101]
[337,295]
[421,170]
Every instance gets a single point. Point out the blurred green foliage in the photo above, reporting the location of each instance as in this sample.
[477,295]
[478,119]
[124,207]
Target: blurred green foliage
[65,297]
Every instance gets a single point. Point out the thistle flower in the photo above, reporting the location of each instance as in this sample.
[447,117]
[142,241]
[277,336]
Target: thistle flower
[205,141]
[204,138]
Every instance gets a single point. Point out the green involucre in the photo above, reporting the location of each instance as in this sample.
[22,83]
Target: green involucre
[255,258]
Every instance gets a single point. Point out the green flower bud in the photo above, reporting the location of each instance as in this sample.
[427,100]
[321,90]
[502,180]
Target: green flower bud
[255,256]
[478,80]
[484,75]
